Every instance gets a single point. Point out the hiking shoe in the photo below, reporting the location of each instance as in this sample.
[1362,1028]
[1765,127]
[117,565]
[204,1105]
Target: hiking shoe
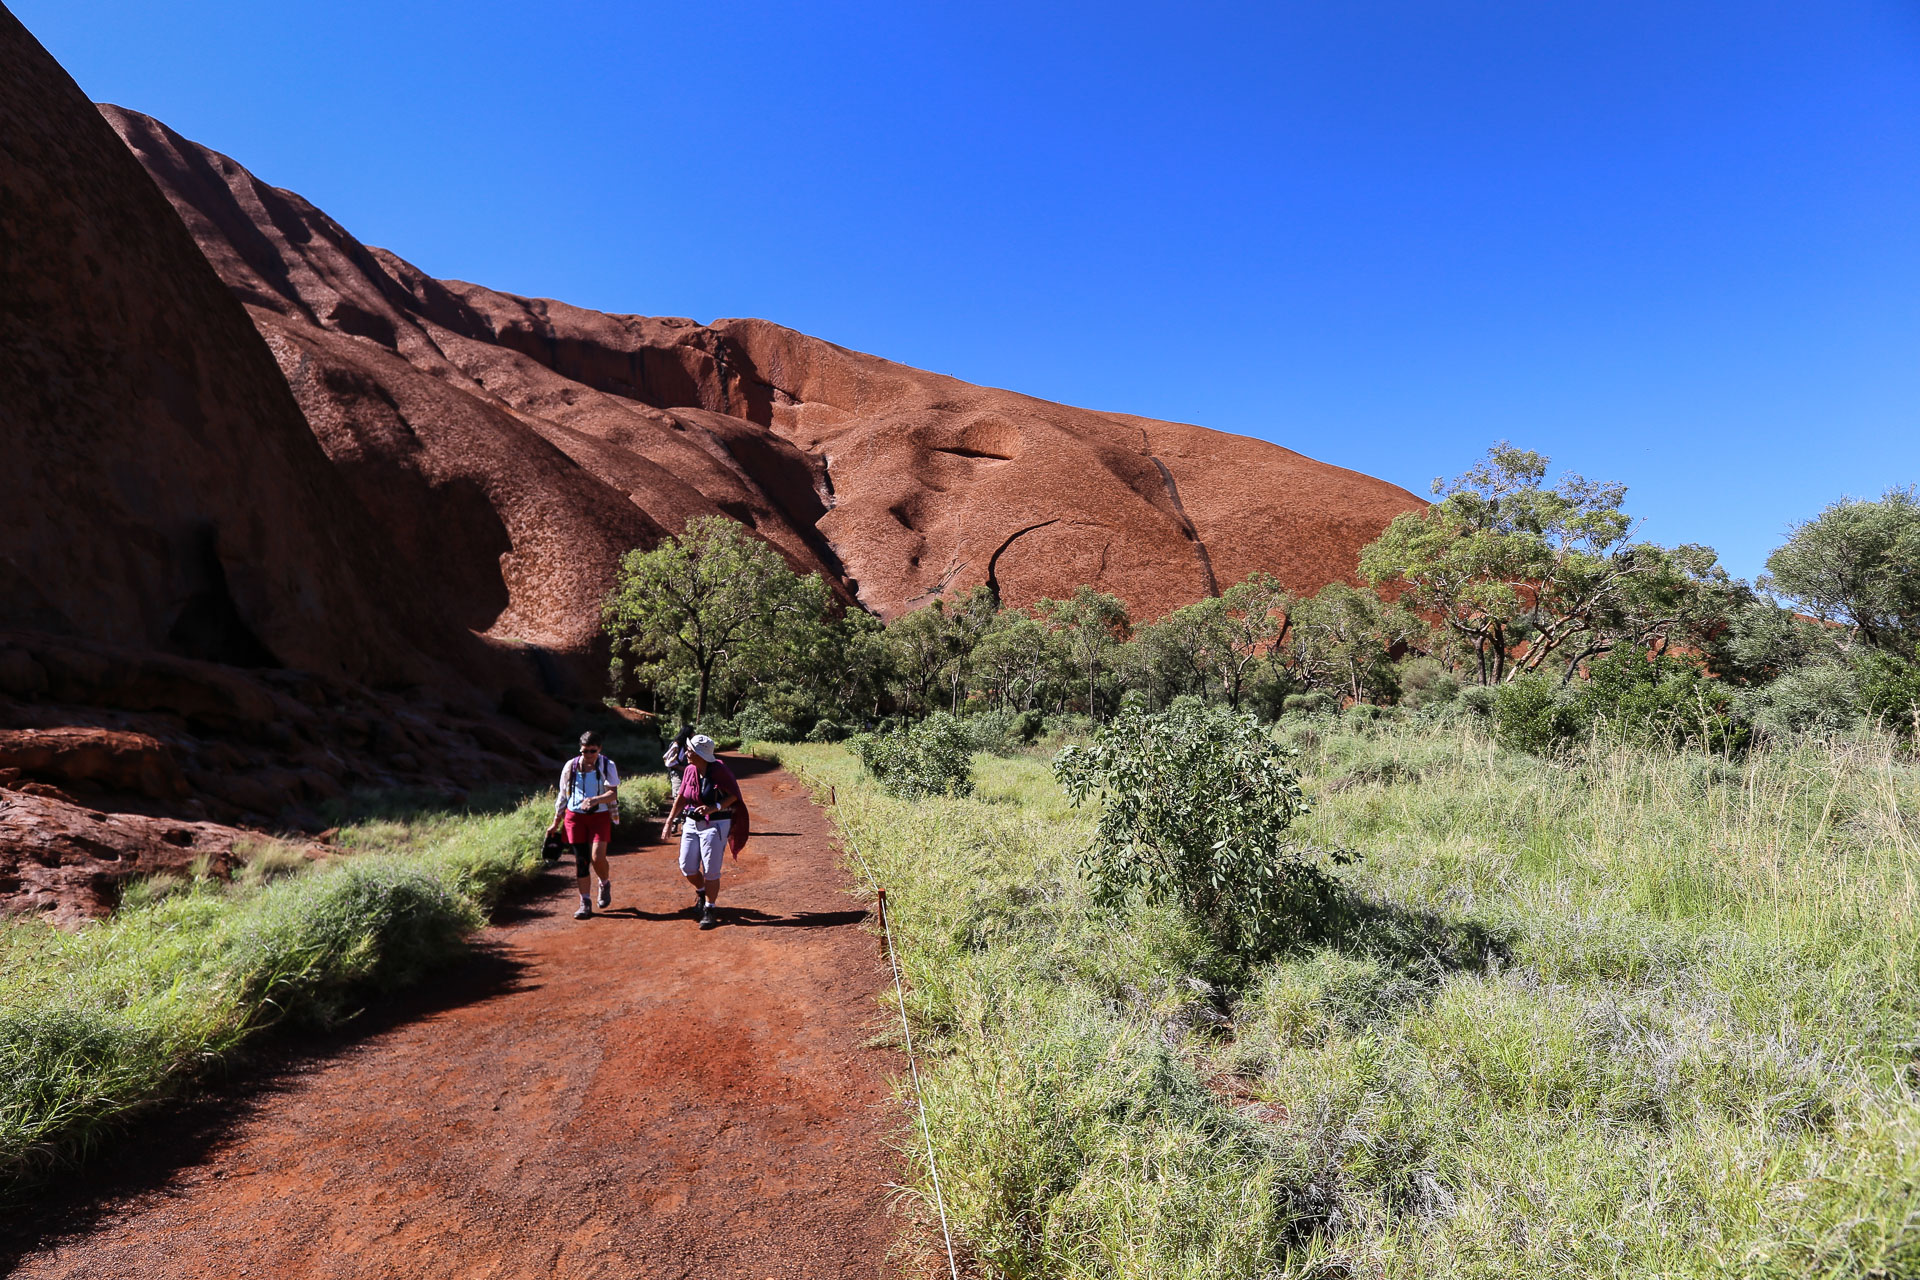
[584,913]
[606,895]
[707,917]
[699,899]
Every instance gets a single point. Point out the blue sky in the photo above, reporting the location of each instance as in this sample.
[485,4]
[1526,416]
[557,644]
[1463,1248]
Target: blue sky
[1676,245]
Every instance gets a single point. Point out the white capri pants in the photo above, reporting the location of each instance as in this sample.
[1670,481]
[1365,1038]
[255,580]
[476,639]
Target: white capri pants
[703,847]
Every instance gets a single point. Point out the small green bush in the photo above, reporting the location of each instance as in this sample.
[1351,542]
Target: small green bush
[1660,699]
[1317,702]
[1890,690]
[1478,700]
[1195,806]
[1002,733]
[758,723]
[1821,698]
[1531,713]
[827,731]
[931,758]
[1425,683]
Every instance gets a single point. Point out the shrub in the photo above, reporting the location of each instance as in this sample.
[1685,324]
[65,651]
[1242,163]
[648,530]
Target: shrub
[1629,697]
[1890,690]
[1195,806]
[931,758]
[1823,697]
[648,795]
[1002,733]
[762,724]
[1531,713]
[1661,699]
[827,731]
[1425,683]
[1316,702]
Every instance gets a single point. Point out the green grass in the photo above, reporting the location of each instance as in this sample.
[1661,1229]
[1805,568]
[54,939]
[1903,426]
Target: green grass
[100,1022]
[1629,1013]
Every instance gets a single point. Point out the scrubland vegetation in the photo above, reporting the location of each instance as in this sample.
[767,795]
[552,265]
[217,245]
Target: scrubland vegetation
[1631,1010]
[97,1023]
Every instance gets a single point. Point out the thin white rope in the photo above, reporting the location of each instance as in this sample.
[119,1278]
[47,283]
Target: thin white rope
[906,1026]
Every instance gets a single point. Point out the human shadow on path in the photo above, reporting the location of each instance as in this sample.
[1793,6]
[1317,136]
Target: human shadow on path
[743,917]
[190,1128]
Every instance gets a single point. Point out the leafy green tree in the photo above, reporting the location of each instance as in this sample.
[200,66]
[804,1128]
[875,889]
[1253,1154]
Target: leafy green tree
[1341,639]
[1195,806]
[1515,571]
[919,645]
[1858,564]
[713,601]
[933,648]
[1091,626]
[1017,660]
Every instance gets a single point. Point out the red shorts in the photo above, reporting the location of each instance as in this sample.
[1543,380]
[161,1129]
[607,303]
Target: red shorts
[582,827]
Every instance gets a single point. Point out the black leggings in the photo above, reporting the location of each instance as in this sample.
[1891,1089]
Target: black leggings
[583,858]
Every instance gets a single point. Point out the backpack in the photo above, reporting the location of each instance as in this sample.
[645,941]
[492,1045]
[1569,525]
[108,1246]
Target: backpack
[599,777]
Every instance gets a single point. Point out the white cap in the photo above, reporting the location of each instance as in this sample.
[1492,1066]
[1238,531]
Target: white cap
[701,745]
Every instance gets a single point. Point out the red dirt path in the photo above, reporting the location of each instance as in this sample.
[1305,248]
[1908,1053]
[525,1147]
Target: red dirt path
[639,1099]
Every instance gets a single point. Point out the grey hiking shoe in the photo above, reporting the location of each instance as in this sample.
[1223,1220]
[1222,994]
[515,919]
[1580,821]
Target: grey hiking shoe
[606,895]
[707,917]
[584,913]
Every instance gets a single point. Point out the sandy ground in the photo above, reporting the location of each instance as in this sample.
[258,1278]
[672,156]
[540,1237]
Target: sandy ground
[622,1097]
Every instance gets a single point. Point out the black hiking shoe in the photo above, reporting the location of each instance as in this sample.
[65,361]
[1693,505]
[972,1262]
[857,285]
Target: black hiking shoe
[708,918]
[584,913]
[699,901]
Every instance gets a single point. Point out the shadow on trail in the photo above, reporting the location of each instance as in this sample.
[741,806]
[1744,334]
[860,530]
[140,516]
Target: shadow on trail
[191,1128]
[742,917]
[751,918]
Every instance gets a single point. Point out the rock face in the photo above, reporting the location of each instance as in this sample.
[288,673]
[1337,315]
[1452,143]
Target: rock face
[162,488]
[200,624]
[282,516]
[555,437]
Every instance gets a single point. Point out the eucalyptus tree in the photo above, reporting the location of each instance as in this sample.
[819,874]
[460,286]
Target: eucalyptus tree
[712,599]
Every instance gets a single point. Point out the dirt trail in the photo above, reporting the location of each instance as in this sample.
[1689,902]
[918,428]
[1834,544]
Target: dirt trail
[623,1097]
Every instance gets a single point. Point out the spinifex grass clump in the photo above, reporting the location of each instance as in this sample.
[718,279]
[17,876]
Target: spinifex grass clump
[96,1023]
[1195,806]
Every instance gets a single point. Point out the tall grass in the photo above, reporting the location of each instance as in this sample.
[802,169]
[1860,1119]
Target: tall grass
[1631,1012]
[97,1023]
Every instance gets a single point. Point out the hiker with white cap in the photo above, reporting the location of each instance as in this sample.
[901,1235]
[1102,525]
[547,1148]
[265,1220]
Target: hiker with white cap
[716,822]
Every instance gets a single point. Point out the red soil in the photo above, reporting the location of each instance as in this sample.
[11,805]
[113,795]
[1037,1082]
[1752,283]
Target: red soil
[639,1098]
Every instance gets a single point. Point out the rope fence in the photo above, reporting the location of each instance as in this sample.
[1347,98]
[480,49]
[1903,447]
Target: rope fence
[906,1027]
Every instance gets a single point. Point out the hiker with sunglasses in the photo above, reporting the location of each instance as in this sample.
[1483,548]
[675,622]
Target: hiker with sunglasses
[716,814]
[589,805]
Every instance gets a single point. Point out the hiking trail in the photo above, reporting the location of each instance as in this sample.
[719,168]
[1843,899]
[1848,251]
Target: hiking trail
[621,1097]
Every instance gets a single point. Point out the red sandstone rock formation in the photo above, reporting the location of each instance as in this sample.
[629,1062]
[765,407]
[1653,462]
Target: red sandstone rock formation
[194,603]
[222,557]
[601,430]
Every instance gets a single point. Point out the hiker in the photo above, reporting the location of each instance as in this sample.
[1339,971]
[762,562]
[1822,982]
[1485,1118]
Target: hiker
[716,814]
[589,805]
[676,758]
